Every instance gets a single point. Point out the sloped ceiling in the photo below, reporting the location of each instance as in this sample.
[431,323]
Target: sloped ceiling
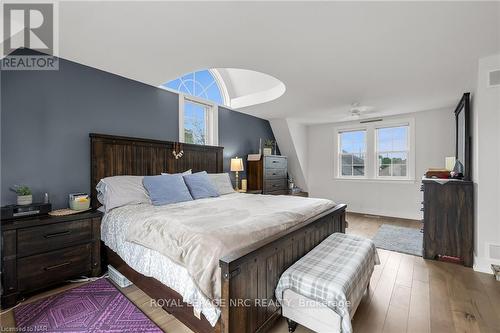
[396,56]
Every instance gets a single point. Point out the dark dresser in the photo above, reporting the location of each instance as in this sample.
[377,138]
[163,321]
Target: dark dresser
[448,219]
[269,175]
[43,251]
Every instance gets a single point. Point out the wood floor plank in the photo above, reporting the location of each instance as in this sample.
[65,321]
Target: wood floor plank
[440,309]
[419,313]
[374,320]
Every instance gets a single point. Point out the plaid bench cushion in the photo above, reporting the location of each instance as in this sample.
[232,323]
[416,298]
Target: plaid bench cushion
[334,273]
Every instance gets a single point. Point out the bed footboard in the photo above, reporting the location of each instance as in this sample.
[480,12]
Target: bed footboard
[250,275]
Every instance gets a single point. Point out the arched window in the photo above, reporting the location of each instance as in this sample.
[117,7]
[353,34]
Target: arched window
[205,84]
[200,93]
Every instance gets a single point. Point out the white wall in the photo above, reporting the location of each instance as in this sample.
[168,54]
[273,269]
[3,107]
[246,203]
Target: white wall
[434,136]
[292,141]
[486,162]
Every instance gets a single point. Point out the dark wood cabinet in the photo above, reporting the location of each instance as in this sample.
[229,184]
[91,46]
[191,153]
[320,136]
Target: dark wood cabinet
[42,251]
[268,175]
[449,220]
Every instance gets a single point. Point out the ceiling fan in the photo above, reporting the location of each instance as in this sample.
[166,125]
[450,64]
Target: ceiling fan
[357,110]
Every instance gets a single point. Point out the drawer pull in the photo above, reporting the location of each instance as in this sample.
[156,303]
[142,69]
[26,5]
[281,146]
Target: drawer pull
[57,234]
[57,266]
[275,161]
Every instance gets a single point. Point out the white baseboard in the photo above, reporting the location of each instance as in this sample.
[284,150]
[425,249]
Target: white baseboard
[483,265]
[385,214]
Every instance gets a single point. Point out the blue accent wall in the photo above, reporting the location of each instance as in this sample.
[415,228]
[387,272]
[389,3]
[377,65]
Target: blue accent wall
[46,117]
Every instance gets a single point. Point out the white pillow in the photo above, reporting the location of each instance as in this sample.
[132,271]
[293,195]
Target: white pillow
[187,172]
[222,182]
[118,191]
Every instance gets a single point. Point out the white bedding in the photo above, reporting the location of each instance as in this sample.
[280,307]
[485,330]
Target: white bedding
[153,264]
[117,223]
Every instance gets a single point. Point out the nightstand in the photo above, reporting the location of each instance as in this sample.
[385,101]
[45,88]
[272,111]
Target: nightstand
[299,194]
[46,250]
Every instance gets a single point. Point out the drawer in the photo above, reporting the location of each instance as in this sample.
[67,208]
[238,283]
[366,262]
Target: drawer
[53,236]
[279,192]
[274,173]
[274,162]
[275,184]
[41,270]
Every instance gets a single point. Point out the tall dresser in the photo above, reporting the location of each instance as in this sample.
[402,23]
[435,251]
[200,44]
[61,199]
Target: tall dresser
[268,175]
[448,219]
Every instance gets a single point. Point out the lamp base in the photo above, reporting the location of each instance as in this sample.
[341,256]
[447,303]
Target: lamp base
[237,181]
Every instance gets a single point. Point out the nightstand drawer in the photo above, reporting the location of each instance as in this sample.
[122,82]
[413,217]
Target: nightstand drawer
[279,192]
[53,236]
[275,162]
[274,173]
[43,269]
[275,184]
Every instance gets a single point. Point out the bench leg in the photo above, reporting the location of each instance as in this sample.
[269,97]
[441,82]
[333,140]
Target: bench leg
[291,325]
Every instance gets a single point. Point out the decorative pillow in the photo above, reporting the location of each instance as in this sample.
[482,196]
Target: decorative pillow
[187,172]
[222,182]
[118,191]
[200,185]
[166,189]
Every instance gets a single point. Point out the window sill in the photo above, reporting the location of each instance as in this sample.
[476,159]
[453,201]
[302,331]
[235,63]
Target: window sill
[377,180]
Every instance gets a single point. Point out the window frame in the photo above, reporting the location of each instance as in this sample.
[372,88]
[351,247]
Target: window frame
[371,158]
[339,154]
[211,118]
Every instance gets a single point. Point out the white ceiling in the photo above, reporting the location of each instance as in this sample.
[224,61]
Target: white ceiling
[396,56]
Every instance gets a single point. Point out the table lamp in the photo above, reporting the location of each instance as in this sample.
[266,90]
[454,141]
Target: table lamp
[237,166]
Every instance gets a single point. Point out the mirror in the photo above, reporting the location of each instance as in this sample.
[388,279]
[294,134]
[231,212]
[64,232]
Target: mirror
[462,135]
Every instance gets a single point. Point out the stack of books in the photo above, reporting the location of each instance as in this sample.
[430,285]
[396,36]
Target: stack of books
[437,173]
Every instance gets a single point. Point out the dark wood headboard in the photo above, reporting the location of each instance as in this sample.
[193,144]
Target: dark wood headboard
[117,155]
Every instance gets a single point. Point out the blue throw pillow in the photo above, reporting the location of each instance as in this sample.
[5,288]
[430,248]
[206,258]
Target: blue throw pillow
[166,189]
[200,186]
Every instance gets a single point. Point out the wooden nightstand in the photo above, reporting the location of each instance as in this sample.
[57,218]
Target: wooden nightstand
[299,194]
[43,251]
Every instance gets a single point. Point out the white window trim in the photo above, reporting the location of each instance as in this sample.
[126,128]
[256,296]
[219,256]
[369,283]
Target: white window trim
[212,121]
[371,164]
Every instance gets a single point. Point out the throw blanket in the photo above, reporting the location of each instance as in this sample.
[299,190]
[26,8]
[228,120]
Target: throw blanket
[334,273]
[197,234]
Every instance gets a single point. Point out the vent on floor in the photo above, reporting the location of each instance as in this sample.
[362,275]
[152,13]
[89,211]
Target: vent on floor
[494,78]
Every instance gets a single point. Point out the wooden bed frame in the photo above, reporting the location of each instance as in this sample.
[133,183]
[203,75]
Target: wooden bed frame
[249,276]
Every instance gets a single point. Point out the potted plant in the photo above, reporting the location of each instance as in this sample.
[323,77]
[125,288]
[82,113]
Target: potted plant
[24,195]
[268,147]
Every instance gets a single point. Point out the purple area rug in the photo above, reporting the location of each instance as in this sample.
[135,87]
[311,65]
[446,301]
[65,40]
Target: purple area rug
[94,307]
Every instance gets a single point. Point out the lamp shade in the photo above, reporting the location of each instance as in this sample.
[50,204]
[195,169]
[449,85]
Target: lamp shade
[236,164]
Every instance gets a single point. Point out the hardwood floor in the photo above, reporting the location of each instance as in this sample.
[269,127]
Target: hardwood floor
[407,294]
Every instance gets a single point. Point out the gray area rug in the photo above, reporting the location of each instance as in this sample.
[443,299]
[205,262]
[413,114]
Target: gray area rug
[399,239]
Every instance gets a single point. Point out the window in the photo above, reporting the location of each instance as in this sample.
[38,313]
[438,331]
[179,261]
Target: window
[382,150]
[204,84]
[352,148]
[200,93]
[392,151]
[197,121]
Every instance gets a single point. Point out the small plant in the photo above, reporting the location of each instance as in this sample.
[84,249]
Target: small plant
[268,143]
[21,190]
